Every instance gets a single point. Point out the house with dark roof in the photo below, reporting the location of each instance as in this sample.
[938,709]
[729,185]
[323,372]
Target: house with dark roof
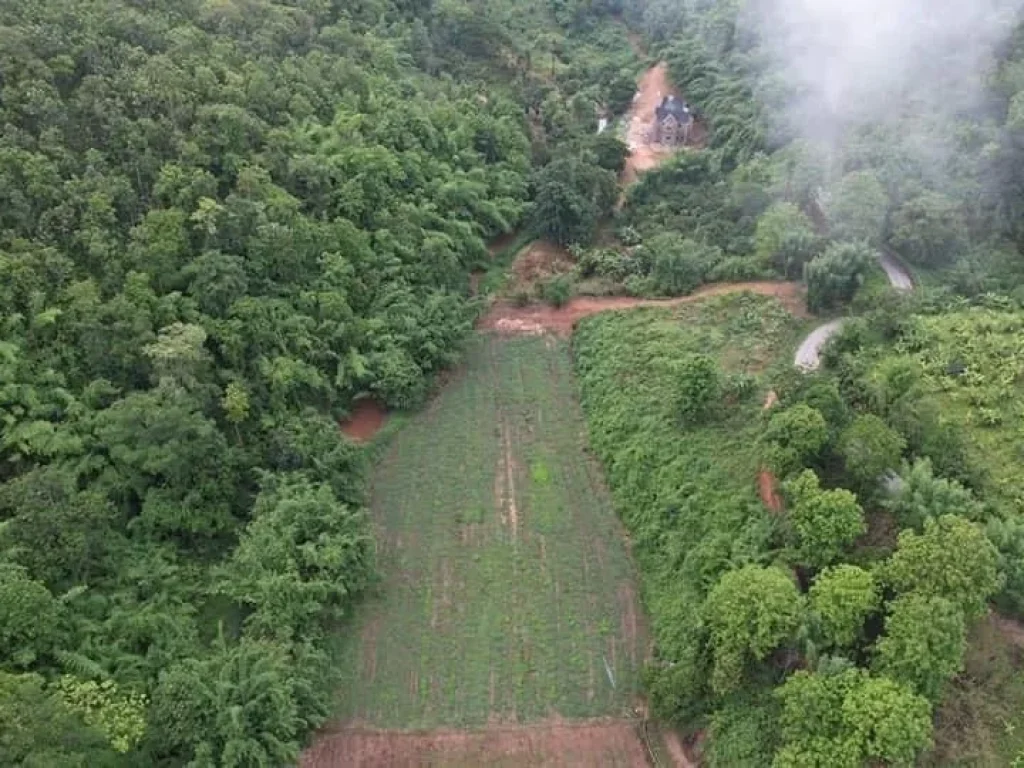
[673,121]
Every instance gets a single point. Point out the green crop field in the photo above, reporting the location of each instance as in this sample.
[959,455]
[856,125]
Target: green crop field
[507,591]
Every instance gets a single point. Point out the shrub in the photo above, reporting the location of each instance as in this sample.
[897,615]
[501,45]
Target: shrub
[557,291]
[835,276]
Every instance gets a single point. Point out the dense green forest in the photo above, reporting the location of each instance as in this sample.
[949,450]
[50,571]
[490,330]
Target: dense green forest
[220,224]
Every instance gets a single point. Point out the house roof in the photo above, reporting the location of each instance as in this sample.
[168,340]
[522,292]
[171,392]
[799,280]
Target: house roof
[677,108]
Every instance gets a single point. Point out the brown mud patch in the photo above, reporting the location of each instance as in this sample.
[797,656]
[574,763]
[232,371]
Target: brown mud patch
[507,318]
[540,261]
[644,152]
[584,744]
[365,421]
[676,751]
[505,483]
[1011,630]
[766,489]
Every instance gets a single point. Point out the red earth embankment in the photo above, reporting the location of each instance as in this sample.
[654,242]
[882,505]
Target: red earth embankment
[507,318]
[365,421]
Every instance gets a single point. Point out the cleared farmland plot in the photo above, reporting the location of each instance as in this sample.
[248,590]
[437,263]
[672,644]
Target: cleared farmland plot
[507,592]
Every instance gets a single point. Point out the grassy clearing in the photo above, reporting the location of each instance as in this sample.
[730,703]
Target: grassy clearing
[507,591]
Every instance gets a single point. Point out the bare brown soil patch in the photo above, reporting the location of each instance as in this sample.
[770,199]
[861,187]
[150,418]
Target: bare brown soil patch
[507,318]
[1011,630]
[676,751]
[540,261]
[586,744]
[766,489]
[645,153]
[505,483]
[365,421]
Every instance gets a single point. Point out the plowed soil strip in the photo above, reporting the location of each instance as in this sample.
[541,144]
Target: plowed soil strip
[509,319]
[605,743]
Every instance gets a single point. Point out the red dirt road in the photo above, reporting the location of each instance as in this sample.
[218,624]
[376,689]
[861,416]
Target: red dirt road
[766,489]
[644,155]
[365,421]
[587,744]
[509,319]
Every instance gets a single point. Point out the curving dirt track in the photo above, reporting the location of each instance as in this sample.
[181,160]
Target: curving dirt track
[510,319]
[808,354]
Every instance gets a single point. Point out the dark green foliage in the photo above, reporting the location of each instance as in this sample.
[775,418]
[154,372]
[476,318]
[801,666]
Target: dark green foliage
[793,438]
[698,386]
[857,212]
[870,448]
[924,643]
[920,495]
[241,706]
[743,733]
[610,152]
[784,239]
[1007,534]
[678,265]
[37,729]
[927,230]
[557,290]
[299,560]
[28,618]
[570,194]
[219,225]
[688,195]
[834,277]
[723,95]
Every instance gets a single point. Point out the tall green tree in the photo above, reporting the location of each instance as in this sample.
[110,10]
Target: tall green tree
[750,612]
[924,642]
[951,559]
[825,522]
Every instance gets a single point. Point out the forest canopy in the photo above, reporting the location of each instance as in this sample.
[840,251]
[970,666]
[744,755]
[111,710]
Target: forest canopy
[222,223]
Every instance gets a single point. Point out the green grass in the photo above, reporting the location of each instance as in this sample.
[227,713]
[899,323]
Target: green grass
[507,589]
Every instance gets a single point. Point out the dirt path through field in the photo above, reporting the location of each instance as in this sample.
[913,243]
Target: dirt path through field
[506,318]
